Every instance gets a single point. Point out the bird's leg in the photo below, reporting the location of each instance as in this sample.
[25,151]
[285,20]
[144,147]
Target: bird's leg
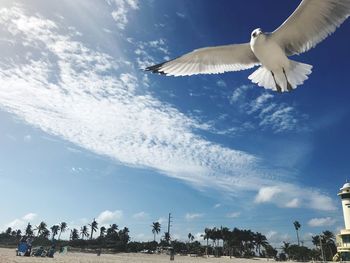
[289,87]
[278,87]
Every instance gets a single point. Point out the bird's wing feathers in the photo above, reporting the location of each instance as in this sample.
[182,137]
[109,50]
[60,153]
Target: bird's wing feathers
[311,23]
[210,60]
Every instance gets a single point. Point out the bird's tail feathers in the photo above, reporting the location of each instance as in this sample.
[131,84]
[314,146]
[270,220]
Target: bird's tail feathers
[296,74]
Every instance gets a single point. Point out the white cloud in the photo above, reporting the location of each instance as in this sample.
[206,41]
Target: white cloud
[266,109]
[293,196]
[276,239]
[91,99]
[181,15]
[137,130]
[16,224]
[238,94]
[192,216]
[221,83]
[161,220]
[159,44]
[121,11]
[217,205]
[199,236]
[140,215]
[107,217]
[19,223]
[146,51]
[325,221]
[259,102]
[294,203]
[234,214]
[265,194]
[29,216]
[271,234]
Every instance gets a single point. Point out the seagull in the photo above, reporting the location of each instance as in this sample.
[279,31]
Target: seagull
[308,25]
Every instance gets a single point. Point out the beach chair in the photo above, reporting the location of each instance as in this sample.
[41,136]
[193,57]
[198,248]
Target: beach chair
[39,252]
[51,252]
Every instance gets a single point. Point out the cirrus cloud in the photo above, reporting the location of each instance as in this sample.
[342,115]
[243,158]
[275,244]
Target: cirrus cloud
[98,102]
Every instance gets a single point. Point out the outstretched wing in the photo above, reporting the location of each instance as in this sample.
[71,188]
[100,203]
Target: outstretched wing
[311,23]
[210,60]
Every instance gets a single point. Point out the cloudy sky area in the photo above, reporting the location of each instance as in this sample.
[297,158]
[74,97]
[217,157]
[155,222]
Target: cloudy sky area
[85,133]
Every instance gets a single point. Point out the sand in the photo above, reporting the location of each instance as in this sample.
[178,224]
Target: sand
[8,256]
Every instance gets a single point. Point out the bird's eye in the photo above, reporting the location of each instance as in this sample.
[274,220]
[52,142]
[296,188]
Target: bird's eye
[254,34]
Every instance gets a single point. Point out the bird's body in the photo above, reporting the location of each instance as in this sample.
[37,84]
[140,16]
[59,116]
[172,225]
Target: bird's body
[309,24]
[276,70]
[269,53]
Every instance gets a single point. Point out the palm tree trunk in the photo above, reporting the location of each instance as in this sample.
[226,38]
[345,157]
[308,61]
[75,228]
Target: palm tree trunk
[330,249]
[298,237]
[207,246]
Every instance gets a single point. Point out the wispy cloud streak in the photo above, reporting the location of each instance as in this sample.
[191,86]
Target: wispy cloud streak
[84,96]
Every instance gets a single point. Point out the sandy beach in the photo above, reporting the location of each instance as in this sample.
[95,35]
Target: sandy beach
[8,256]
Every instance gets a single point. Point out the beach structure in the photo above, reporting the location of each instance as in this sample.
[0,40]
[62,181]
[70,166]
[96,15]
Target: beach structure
[343,239]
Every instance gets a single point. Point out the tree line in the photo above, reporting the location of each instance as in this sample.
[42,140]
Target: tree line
[217,241]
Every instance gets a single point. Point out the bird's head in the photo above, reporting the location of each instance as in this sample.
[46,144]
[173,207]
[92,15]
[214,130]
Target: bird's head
[256,33]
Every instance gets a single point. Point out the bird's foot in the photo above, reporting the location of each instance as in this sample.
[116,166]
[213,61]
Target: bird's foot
[278,88]
[289,87]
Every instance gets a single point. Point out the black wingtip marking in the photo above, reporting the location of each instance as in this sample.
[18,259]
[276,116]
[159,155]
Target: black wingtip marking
[156,68]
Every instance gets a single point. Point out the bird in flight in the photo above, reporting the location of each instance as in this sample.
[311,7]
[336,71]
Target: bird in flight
[310,23]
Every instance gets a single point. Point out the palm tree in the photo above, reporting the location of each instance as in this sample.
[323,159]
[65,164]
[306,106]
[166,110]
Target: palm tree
[29,230]
[328,239]
[112,230]
[155,229]
[206,236]
[45,233]
[102,231]
[94,227]
[18,234]
[190,237]
[84,232]
[285,248]
[124,235]
[54,230]
[41,228]
[260,240]
[63,228]
[297,226]
[74,235]
[216,236]
[8,231]
[225,233]
[316,240]
[247,238]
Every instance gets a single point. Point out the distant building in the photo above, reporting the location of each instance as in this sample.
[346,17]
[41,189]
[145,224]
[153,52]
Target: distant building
[343,239]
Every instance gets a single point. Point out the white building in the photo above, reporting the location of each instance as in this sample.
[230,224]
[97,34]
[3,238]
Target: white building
[343,239]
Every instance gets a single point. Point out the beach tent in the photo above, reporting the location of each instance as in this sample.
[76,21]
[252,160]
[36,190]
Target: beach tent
[22,249]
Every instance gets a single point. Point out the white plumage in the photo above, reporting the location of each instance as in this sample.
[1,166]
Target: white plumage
[309,24]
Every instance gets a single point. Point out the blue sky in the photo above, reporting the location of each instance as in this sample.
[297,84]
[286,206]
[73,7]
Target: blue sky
[85,133]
